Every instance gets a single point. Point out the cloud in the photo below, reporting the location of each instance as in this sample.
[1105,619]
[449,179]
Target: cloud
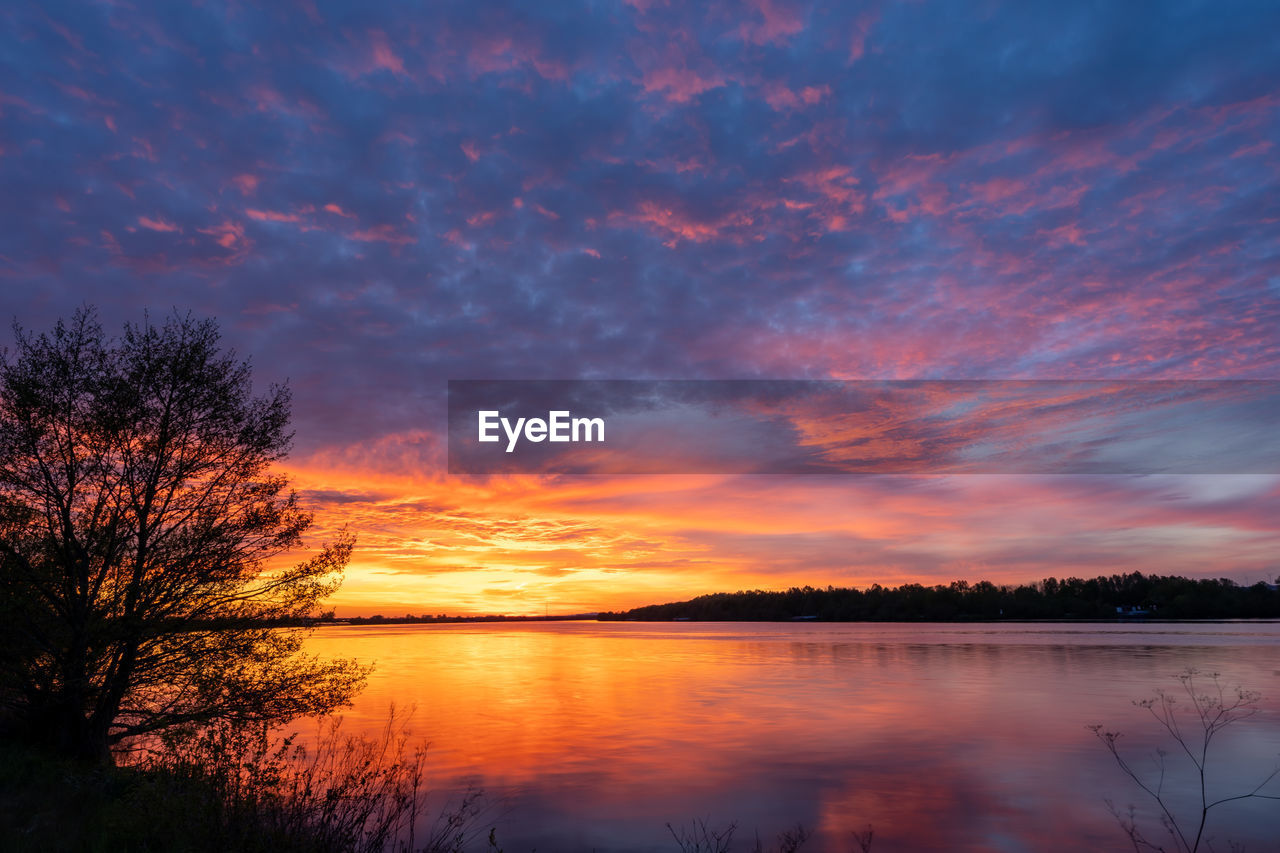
[157,224]
[375,204]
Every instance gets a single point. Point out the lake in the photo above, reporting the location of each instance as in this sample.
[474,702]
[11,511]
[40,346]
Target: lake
[593,736]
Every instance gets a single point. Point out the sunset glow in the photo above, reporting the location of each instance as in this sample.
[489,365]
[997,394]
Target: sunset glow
[375,200]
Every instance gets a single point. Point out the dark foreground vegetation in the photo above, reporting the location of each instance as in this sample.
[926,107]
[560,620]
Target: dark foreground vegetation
[141,511]
[151,631]
[1118,596]
[230,788]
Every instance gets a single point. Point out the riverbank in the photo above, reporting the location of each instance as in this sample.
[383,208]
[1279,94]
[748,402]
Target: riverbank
[51,804]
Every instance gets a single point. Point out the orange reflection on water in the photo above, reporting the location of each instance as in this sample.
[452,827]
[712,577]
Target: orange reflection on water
[595,735]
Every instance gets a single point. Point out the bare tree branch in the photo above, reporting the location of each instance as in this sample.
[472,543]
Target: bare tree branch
[1212,711]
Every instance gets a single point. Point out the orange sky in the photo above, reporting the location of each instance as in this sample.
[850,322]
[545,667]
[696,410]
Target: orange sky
[430,543]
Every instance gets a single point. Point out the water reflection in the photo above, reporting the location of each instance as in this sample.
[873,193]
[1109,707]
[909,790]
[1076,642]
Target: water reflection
[942,737]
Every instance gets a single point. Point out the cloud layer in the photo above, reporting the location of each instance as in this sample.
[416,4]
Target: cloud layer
[376,198]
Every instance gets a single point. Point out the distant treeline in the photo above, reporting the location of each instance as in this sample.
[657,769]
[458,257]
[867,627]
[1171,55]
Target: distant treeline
[1118,596]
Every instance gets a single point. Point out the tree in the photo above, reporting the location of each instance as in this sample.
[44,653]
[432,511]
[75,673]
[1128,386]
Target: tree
[1208,711]
[141,519]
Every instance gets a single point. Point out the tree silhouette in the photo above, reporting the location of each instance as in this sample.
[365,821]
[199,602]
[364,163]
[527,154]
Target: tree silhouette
[1208,710]
[140,519]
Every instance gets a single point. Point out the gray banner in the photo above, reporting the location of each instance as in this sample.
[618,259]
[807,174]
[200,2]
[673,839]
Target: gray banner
[863,427]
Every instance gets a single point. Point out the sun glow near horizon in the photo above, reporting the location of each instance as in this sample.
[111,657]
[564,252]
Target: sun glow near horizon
[529,545]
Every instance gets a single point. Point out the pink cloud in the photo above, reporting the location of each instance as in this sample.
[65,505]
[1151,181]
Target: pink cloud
[1063,235]
[680,85]
[777,23]
[997,189]
[157,224]
[858,40]
[780,97]
[454,237]
[383,57]
[840,197]
[143,149]
[677,225]
[497,51]
[272,216]
[1259,147]
[246,184]
[228,235]
[382,234]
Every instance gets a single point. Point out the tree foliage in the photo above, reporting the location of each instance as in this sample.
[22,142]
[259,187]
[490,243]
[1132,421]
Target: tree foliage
[141,516]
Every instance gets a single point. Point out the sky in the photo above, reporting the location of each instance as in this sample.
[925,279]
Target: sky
[375,198]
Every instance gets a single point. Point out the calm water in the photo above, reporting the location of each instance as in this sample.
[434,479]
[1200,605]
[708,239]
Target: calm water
[952,738]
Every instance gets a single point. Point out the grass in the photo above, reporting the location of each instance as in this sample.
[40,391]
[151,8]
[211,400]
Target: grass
[233,789]
[51,804]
